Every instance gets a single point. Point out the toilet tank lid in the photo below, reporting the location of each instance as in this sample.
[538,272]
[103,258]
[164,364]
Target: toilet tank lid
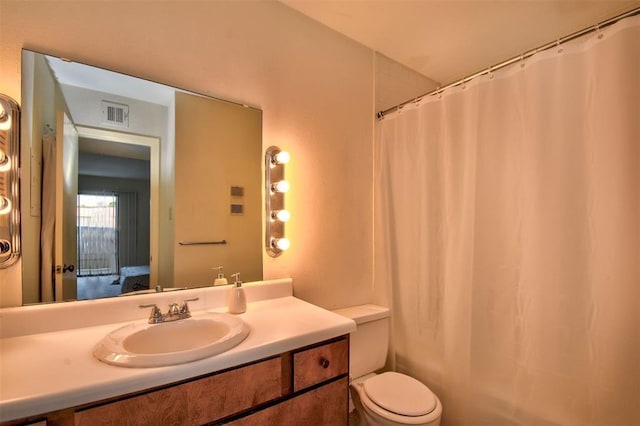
[364,313]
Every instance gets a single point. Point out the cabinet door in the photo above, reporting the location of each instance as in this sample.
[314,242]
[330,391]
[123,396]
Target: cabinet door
[198,402]
[326,405]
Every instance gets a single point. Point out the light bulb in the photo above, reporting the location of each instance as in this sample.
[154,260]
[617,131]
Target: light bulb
[5,162]
[281,157]
[5,205]
[282,186]
[281,243]
[281,215]
[5,119]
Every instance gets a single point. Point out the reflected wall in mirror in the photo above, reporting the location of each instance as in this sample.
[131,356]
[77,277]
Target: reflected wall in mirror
[133,184]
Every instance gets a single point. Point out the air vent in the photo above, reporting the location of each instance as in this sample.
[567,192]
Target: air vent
[115,114]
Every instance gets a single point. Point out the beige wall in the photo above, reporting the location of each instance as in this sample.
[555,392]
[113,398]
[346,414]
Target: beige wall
[396,83]
[315,88]
[217,145]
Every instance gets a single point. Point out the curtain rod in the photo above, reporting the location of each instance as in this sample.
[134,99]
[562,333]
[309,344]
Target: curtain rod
[515,59]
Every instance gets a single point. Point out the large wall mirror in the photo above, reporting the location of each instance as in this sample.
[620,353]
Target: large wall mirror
[128,184]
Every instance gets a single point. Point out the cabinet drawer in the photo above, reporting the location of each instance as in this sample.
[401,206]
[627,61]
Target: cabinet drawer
[321,363]
[326,405]
[197,402]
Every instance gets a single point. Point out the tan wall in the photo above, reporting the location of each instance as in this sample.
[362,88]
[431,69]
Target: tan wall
[315,88]
[217,144]
[396,83]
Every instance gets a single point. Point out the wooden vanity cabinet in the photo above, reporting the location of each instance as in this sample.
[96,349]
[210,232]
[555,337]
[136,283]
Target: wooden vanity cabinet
[307,386]
[324,404]
[195,402]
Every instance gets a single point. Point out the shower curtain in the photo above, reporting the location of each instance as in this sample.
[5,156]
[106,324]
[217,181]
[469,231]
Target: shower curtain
[507,238]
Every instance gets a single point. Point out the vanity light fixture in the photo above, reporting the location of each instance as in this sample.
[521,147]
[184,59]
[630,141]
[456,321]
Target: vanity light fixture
[9,181]
[275,188]
[281,186]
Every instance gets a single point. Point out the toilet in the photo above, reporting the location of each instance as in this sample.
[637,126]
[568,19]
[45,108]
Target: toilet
[387,398]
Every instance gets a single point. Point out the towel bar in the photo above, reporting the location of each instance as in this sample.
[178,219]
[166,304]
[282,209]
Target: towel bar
[199,243]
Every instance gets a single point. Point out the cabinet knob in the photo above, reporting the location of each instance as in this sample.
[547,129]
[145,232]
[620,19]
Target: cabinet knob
[324,362]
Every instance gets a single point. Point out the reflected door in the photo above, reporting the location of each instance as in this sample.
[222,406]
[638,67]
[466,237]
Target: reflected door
[65,246]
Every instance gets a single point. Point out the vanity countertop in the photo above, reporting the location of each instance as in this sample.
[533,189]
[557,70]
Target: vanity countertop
[49,371]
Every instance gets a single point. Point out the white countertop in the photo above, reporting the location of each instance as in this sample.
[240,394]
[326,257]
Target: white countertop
[53,370]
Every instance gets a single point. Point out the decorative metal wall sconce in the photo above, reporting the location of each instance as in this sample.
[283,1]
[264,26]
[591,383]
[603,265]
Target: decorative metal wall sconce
[275,188]
[9,181]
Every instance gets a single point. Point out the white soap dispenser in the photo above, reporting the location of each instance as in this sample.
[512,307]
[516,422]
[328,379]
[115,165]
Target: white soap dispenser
[221,279]
[236,301]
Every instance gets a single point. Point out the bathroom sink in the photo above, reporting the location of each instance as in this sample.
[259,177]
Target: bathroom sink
[140,344]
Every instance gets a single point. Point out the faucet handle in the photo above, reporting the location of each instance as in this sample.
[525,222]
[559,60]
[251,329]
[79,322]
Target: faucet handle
[155,316]
[174,309]
[184,310]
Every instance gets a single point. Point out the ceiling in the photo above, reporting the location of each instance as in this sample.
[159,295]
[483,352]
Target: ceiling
[101,80]
[448,40]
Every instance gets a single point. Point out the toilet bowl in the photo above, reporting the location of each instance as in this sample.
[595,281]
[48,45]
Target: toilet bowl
[388,398]
[395,399]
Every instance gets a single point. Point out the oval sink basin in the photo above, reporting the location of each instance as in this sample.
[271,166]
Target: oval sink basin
[153,345]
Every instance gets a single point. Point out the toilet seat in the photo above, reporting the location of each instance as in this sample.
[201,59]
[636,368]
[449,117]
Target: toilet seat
[374,409]
[400,394]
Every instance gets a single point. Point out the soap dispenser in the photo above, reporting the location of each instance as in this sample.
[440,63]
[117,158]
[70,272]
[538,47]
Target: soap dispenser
[220,280]
[236,301]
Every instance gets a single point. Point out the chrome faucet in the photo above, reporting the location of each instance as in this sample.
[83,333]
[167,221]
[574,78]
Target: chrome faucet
[175,312]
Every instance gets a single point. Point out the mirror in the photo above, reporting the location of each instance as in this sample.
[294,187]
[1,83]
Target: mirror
[131,184]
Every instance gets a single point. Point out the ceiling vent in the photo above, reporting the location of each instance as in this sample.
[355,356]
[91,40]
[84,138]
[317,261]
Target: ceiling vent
[115,114]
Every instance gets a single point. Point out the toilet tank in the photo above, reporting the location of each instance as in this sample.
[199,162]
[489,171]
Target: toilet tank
[370,342]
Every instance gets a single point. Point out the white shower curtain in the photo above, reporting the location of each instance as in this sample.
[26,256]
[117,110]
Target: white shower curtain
[507,238]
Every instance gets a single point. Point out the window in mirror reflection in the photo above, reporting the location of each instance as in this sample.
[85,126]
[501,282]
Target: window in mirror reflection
[97,235]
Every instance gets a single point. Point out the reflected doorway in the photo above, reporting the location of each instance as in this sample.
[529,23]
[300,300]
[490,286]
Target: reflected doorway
[118,176]
[98,254]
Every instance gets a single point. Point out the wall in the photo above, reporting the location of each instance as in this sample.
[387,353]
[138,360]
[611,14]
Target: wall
[396,83]
[315,88]
[217,147]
